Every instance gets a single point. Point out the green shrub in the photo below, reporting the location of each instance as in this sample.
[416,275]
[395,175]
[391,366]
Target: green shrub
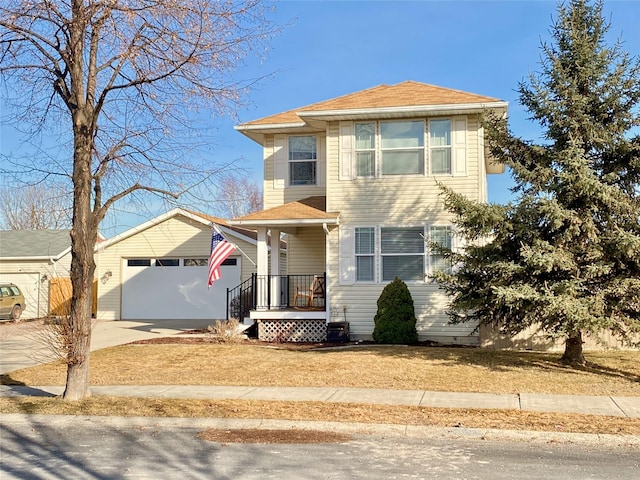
[395,321]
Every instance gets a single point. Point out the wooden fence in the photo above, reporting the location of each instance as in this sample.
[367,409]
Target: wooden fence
[60,297]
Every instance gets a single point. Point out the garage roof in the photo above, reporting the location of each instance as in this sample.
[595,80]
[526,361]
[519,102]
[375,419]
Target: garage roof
[34,244]
[205,220]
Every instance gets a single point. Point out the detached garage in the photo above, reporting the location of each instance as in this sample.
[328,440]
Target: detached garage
[158,270]
[31,259]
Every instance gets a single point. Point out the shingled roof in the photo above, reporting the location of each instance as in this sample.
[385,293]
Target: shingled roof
[34,244]
[307,210]
[405,94]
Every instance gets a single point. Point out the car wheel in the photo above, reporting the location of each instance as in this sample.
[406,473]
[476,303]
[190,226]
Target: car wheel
[16,312]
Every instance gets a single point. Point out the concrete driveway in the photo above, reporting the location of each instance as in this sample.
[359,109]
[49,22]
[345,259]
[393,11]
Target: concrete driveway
[28,349]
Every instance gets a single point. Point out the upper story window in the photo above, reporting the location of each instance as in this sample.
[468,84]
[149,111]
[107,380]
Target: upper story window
[413,147]
[365,149]
[303,155]
[402,148]
[440,146]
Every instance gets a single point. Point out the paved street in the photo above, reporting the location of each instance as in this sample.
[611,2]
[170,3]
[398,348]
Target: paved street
[36,447]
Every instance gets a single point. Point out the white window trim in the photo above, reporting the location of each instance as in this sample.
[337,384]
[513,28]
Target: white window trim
[347,255]
[429,271]
[378,149]
[380,254]
[376,152]
[458,149]
[376,255]
[289,161]
[451,147]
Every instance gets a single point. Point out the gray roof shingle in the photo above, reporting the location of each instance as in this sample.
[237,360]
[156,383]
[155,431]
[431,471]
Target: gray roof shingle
[33,243]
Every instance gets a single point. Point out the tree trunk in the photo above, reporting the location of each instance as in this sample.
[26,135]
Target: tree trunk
[84,234]
[77,384]
[573,354]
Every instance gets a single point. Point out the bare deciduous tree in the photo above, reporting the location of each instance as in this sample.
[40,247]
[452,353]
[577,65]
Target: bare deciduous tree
[121,82]
[240,196]
[35,207]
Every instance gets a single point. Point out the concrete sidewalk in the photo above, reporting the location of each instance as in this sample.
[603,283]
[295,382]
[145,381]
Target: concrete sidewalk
[591,405]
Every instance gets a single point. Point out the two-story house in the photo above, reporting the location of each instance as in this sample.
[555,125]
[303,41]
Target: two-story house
[352,182]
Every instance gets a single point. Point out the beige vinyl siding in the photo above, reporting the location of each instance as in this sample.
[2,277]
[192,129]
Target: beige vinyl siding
[430,305]
[483,195]
[408,200]
[403,198]
[360,300]
[306,251]
[59,268]
[276,196]
[246,267]
[177,237]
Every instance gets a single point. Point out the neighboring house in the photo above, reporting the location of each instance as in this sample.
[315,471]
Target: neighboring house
[158,270]
[352,181]
[31,259]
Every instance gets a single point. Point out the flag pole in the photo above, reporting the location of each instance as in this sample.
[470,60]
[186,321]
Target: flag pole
[215,227]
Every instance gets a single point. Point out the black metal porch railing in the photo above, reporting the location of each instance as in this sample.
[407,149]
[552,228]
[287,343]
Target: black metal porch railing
[305,292]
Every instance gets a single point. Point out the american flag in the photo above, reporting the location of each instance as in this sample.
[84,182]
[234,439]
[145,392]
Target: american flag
[220,250]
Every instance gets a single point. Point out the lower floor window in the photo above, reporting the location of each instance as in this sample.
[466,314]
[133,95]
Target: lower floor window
[402,253]
[384,253]
[442,236]
[365,254]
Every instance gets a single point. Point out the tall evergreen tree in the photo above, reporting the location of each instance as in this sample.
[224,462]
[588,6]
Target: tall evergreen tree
[564,256]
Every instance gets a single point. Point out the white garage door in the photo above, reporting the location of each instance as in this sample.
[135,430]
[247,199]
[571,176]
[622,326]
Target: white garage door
[30,285]
[175,288]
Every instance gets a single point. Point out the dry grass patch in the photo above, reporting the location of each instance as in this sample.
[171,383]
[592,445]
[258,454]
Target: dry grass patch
[403,368]
[331,412]
[255,435]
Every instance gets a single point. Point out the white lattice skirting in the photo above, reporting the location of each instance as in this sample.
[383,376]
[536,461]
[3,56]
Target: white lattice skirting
[312,330]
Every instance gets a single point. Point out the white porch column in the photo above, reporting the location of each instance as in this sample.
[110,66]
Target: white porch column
[262,267]
[275,268]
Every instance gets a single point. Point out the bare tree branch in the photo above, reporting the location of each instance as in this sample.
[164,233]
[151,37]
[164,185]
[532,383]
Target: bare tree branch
[122,81]
[35,207]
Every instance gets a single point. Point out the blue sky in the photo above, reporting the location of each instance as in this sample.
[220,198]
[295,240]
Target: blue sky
[332,48]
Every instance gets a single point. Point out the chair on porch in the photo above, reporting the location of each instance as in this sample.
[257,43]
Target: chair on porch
[316,291]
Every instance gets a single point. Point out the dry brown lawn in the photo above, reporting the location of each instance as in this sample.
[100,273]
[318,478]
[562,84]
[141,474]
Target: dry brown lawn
[405,368]
[423,368]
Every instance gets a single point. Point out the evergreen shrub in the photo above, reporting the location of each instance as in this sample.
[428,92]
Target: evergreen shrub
[395,320]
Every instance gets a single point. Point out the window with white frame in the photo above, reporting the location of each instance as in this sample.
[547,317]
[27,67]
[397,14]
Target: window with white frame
[365,149]
[302,160]
[365,254]
[402,147]
[402,253]
[442,236]
[440,146]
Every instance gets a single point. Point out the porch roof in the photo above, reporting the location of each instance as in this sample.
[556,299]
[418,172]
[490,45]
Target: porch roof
[304,212]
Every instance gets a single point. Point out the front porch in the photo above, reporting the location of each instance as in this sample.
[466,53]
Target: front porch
[286,308]
[292,306]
